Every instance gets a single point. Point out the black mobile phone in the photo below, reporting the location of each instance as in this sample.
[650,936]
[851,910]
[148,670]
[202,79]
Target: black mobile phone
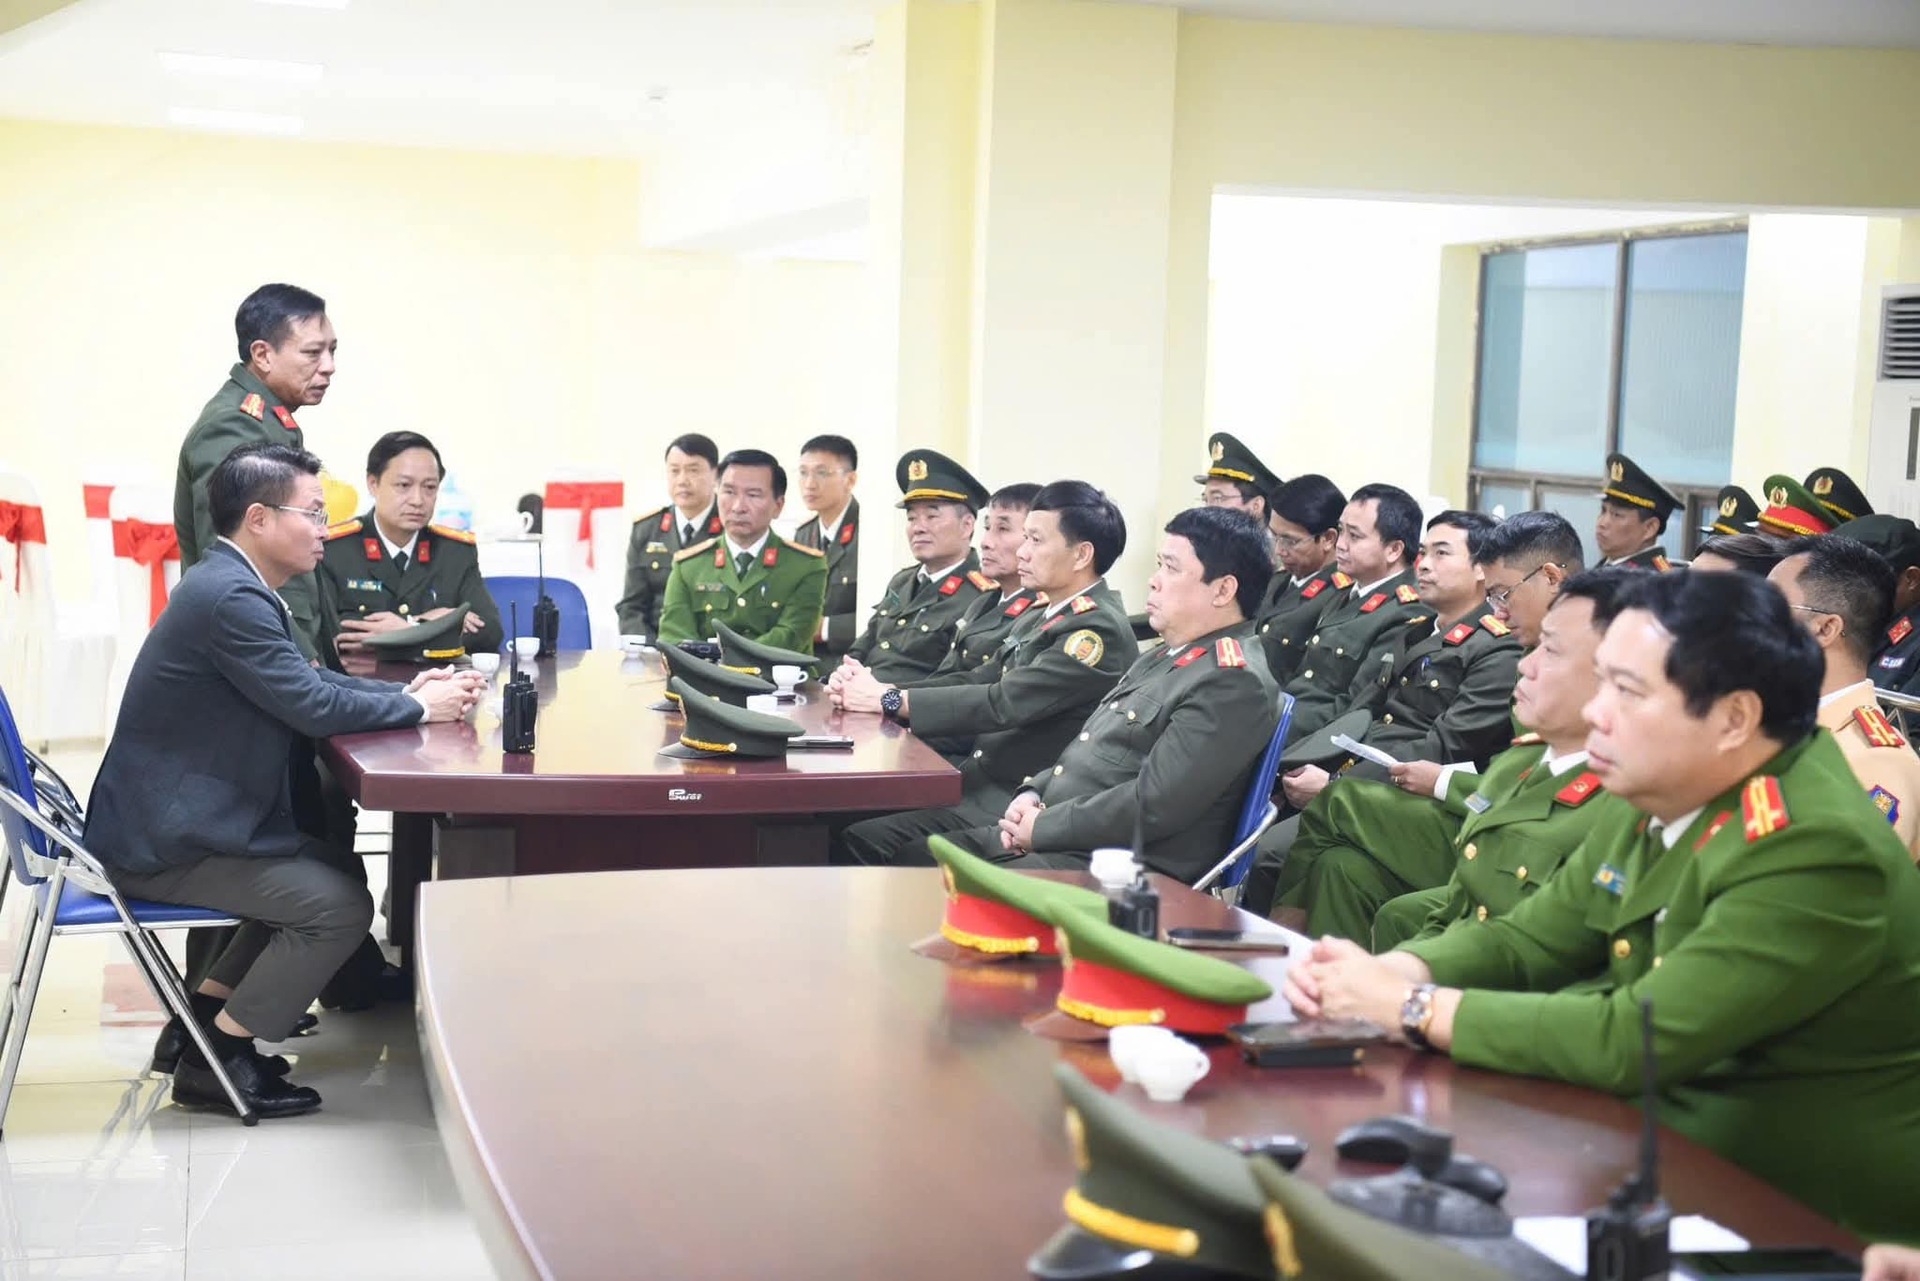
[1306,1042]
[1227,940]
[816,742]
[1790,1264]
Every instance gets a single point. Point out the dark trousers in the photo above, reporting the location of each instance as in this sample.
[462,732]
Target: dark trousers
[899,840]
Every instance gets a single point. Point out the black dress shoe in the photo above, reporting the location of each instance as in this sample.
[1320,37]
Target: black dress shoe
[173,1042]
[303,1025]
[196,1087]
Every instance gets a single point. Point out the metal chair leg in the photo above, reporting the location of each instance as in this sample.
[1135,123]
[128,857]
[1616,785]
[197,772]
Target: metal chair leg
[25,989]
[18,969]
[174,995]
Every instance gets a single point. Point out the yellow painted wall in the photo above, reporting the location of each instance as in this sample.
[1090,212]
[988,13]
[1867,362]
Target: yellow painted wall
[500,304]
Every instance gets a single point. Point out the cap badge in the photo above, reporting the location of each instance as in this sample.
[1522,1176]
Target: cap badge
[917,469]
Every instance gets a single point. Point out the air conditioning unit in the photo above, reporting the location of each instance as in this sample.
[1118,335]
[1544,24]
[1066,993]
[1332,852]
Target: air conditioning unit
[1893,439]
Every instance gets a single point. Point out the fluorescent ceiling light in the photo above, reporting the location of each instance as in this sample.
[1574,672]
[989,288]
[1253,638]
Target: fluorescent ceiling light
[213,64]
[236,121]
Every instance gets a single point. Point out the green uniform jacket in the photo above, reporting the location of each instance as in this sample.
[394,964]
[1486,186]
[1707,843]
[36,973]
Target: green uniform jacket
[913,626]
[1522,823]
[357,578]
[843,578]
[977,637]
[1776,941]
[242,412]
[1288,615]
[1654,558]
[1024,707]
[1446,696]
[1340,666]
[651,547]
[777,602]
[1174,743]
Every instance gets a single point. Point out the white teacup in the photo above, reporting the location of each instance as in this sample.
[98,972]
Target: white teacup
[1114,869]
[527,647]
[787,676]
[633,642]
[1129,1041]
[485,663]
[1167,1070]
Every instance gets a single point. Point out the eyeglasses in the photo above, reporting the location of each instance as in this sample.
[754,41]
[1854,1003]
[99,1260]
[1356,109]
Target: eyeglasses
[1288,542]
[1499,596]
[1814,609]
[317,515]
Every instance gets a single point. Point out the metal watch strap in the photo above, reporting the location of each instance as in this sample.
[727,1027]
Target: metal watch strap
[1416,1013]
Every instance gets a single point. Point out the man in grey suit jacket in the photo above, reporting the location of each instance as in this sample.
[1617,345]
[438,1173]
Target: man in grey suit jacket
[193,805]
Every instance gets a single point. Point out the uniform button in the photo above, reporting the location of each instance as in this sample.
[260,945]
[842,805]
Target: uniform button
[741,602]
[1266,629]
[774,603]
[1084,736]
[1472,852]
[844,579]
[1286,640]
[978,753]
[1059,769]
[1387,719]
[1433,684]
[1130,715]
[1403,680]
[1622,949]
[1482,913]
[655,565]
[1656,962]
[1113,707]
[1520,873]
[924,627]
[1314,639]
[1339,651]
[886,644]
[403,609]
[1307,675]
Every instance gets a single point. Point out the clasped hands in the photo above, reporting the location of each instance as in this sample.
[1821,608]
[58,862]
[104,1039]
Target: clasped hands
[853,687]
[1338,979]
[448,693]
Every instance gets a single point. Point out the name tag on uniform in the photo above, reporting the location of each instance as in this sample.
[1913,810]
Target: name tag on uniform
[365,585]
[710,587]
[655,547]
[1478,803]
[1610,879]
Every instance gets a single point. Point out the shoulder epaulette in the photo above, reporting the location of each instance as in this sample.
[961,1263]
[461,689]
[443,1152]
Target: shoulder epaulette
[804,550]
[344,528]
[1374,602]
[1081,604]
[1527,740]
[1900,631]
[1226,652]
[1341,580]
[1406,595]
[1661,564]
[457,535]
[1579,790]
[655,514]
[980,580]
[1313,589]
[694,550]
[1763,808]
[1018,606]
[1879,730]
[1459,633]
[1495,626]
[254,406]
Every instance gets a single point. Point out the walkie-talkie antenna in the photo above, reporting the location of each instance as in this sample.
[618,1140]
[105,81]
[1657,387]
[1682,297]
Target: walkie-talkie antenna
[540,563]
[1649,1107]
[513,650]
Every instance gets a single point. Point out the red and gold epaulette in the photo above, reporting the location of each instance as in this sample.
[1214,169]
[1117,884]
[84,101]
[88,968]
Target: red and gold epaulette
[980,580]
[1341,580]
[695,550]
[254,406]
[802,548]
[285,416]
[1879,730]
[457,535]
[1495,626]
[1374,602]
[1661,564]
[1190,656]
[1527,740]
[1900,631]
[1406,595]
[1226,652]
[344,528]
[1313,589]
[1081,604]
[1763,808]
[1459,633]
[1018,607]
[1579,789]
[951,585]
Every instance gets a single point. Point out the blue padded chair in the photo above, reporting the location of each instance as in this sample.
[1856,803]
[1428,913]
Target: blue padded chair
[1257,813]
[576,628]
[59,874]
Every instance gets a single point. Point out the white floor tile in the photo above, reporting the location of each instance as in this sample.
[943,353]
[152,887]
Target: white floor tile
[93,1121]
[100,1267]
[114,1206]
[327,1194]
[426,1254]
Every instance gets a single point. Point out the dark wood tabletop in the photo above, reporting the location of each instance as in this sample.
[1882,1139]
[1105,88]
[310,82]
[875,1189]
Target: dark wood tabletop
[597,753]
[745,1073]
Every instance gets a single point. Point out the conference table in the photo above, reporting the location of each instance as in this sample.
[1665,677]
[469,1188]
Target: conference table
[747,1073]
[595,794]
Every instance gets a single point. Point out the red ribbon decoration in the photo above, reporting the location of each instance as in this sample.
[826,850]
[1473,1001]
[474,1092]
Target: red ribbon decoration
[97,498]
[20,524]
[151,545]
[589,497]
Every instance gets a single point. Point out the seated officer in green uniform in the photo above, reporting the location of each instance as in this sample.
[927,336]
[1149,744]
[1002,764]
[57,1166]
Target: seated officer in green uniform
[286,363]
[1489,839]
[1757,898]
[392,568]
[977,637]
[1024,707]
[692,516]
[1169,754]
[1634,509]
[829,469]
[914,624]
[1304,519]
[1235,478]
[1340,663]
[749,578]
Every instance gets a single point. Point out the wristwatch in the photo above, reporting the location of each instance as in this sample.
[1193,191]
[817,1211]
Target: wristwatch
[890,701]
[1416,1015]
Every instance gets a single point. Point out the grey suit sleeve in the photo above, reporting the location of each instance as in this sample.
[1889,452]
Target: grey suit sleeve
[366,684]
[250,646]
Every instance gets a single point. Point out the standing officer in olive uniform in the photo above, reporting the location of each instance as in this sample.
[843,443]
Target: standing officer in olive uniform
[286,363]
[1170,751]
[1896,656]
[1634,509]
[392,568]
[1340,664]
[1304,519]
[914,625]
[829,469]
[663,533]
[1483,841]
[749,578]
[1757,899]
[978,635]
[1024,707]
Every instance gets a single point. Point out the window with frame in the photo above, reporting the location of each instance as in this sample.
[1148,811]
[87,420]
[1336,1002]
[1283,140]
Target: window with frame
[1627,343]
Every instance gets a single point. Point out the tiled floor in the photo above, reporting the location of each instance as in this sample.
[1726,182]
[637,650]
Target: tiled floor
[100,1176]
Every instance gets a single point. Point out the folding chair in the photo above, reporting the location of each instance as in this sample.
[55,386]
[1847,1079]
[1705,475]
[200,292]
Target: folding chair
[576,627]
[69,893]
[1257,813]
